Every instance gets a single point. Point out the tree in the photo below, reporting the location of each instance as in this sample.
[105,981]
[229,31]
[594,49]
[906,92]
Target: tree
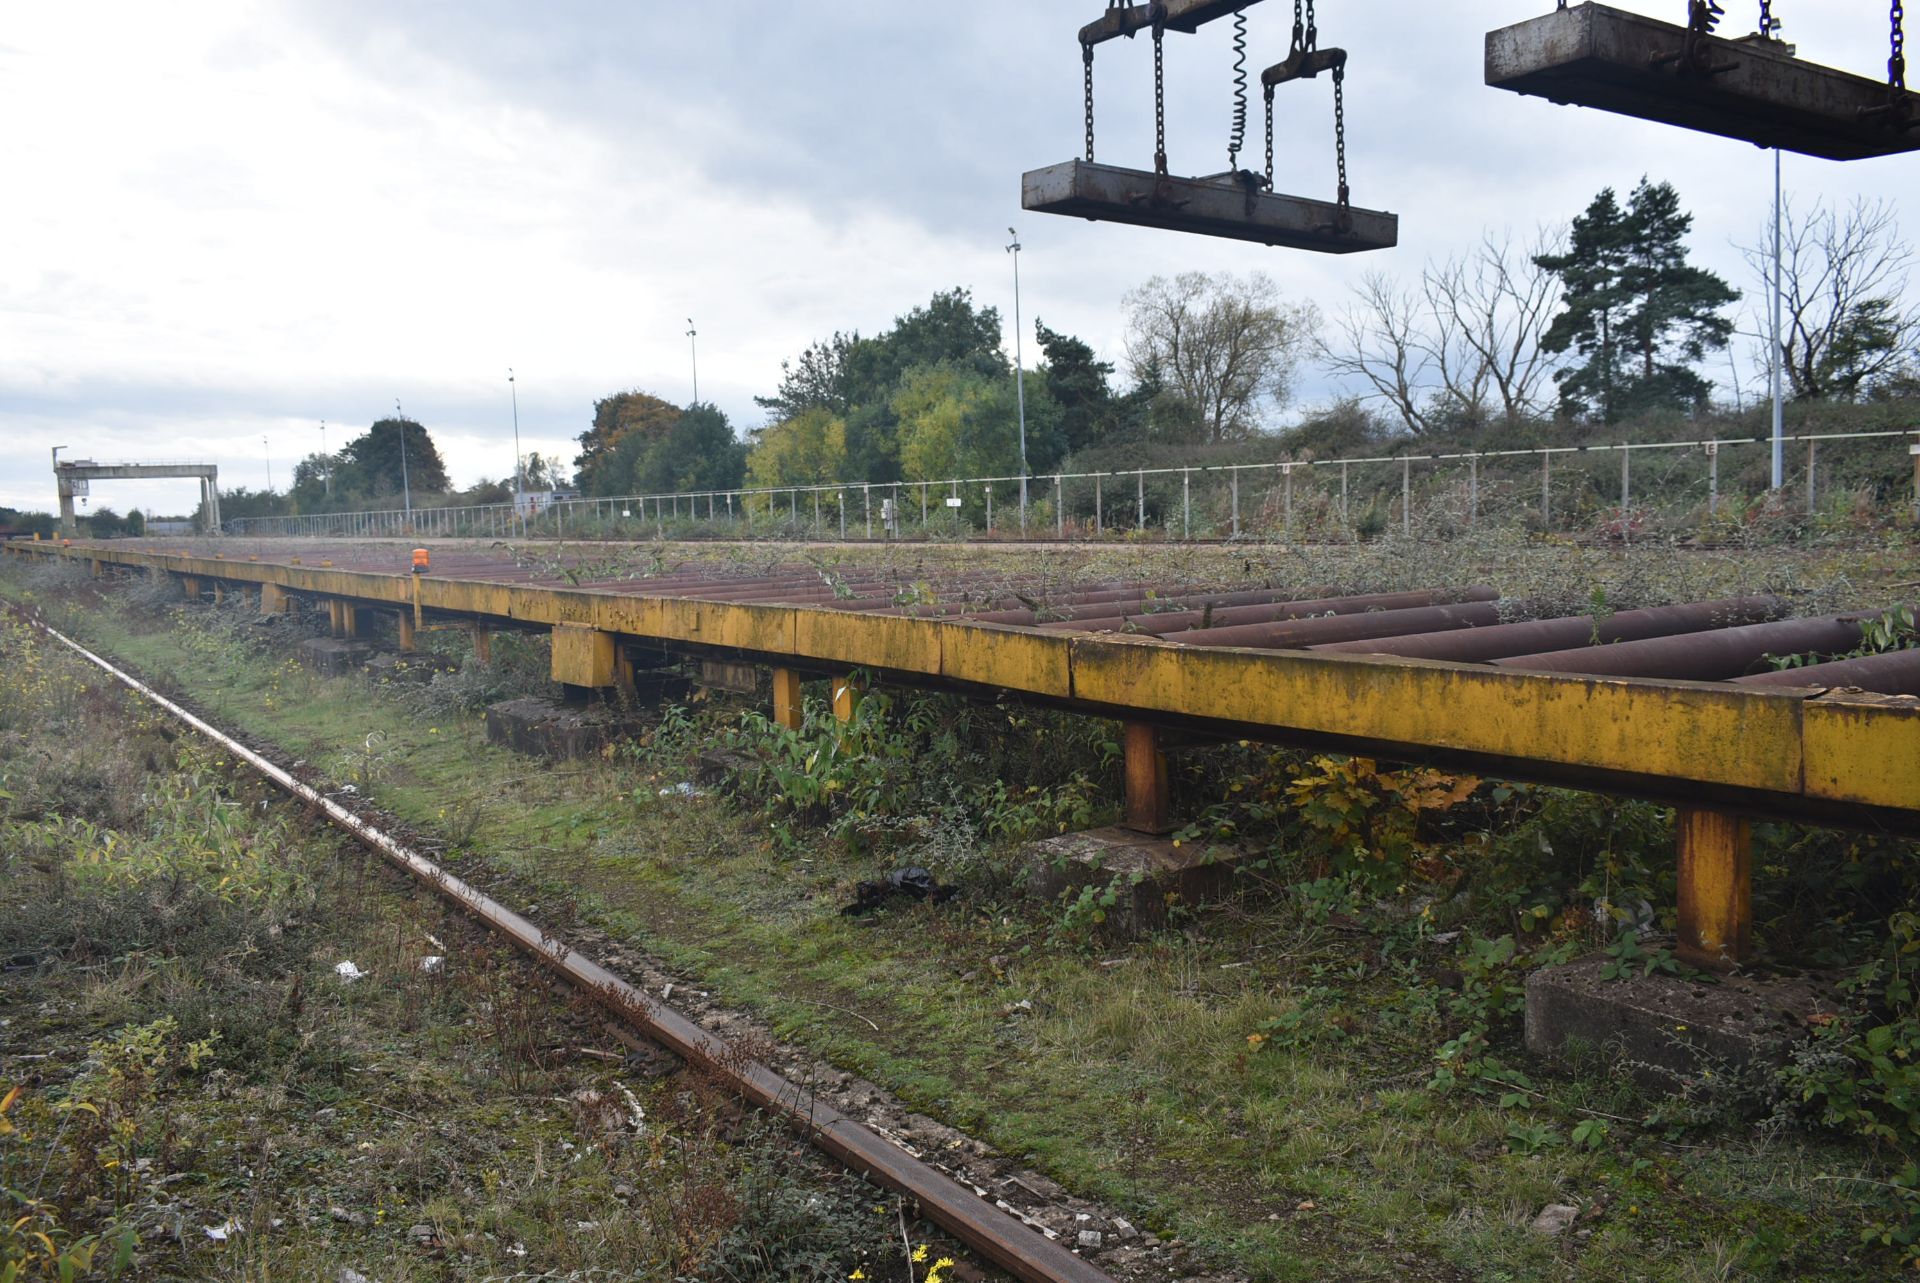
[854,379]
[1492,306]
[1079,384]
[1468,340]
[808,449]
[1846,325]
[956,422]
[700,452]
[1638,313]
[615,418]
[377,456]
[1223,345]
[817,379]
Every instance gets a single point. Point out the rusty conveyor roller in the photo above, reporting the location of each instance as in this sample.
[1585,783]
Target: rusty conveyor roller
[1477,645]
[1200,621]
[1297,634]
[1705,656]
[1894,673]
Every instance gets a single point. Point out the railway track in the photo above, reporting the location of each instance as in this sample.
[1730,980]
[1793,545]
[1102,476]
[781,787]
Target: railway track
[999,1234]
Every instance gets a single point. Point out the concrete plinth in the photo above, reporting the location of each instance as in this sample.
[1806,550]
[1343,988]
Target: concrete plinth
[1150,875]
[335,656]
[546,728]
[741,679]
[1667,1031]
[389,666]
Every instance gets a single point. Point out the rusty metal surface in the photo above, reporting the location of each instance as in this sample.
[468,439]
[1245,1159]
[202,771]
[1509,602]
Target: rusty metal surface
[1477,645]
[1205,207]
[1895,673]
[1704,656]
[1592,55]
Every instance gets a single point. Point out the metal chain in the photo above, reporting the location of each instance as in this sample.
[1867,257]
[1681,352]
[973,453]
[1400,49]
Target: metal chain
[1768,23]
[1159,102]
[1086,61]
[1340,128]
[1703,16]
[1269,97]
[1313,29]
[1897,61]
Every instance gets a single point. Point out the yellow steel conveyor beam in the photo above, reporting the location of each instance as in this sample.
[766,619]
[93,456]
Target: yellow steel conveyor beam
[1781,748]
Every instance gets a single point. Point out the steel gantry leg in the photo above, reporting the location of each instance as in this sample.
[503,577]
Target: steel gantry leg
[788,710]
[1716,888]
[1147,810]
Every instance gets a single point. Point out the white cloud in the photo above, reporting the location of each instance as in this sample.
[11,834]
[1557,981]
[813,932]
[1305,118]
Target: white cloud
[244,218]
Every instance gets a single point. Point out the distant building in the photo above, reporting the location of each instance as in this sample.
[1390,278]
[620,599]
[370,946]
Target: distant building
[534,502]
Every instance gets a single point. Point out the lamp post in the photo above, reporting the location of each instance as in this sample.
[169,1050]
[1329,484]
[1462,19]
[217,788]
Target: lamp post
[1778,359]
[325,462]
[519,485]
[267,450]
[1019,375]
[406,486]
[693,349]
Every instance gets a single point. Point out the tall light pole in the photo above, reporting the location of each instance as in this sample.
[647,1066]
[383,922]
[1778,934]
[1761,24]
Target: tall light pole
[1779,405]
[693,348]
[326,462]
[1019,374]
[406,486]
[519,485]
[267,450]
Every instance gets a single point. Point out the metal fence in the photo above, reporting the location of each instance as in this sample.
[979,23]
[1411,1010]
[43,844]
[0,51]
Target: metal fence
[1552,487]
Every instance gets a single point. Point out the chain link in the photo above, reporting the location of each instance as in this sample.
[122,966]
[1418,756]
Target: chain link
[1897,60]
[1159,101]
[1703,16]
[1768,23]
[1269,96]
[1086,61]
[1340,128]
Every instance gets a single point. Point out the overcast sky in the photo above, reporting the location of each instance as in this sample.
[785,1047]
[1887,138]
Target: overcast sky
[228,220]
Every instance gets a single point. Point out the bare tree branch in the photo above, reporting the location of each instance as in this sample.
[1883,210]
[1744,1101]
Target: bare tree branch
[1468,338]
[1378,339]
[1846,320]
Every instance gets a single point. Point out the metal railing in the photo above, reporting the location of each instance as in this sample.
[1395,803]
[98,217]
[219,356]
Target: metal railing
[1295,497]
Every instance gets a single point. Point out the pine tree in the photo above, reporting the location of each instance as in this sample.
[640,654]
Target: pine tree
[1637,312]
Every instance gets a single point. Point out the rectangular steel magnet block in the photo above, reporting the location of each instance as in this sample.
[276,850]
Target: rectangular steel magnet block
[1592,55]
[1205,207]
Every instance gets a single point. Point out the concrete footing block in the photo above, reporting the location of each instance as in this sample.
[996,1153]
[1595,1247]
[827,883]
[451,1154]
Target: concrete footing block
[417,668]
[546,728]
[1666,1031]
[1150,876]
[335,656]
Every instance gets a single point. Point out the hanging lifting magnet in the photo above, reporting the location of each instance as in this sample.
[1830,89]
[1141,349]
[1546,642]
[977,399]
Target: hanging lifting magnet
[1221,206]
[1752,89]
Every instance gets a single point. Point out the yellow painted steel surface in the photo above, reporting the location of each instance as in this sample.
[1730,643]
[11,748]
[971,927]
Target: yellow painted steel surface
[582,656]
[1864,749]
[1676,730]
[1784,743]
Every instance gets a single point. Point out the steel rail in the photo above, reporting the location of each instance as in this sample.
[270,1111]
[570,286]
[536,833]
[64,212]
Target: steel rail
[1000,1237]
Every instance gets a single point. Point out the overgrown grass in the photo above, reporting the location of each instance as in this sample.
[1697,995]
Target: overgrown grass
[190,1090]
[1264,1079]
